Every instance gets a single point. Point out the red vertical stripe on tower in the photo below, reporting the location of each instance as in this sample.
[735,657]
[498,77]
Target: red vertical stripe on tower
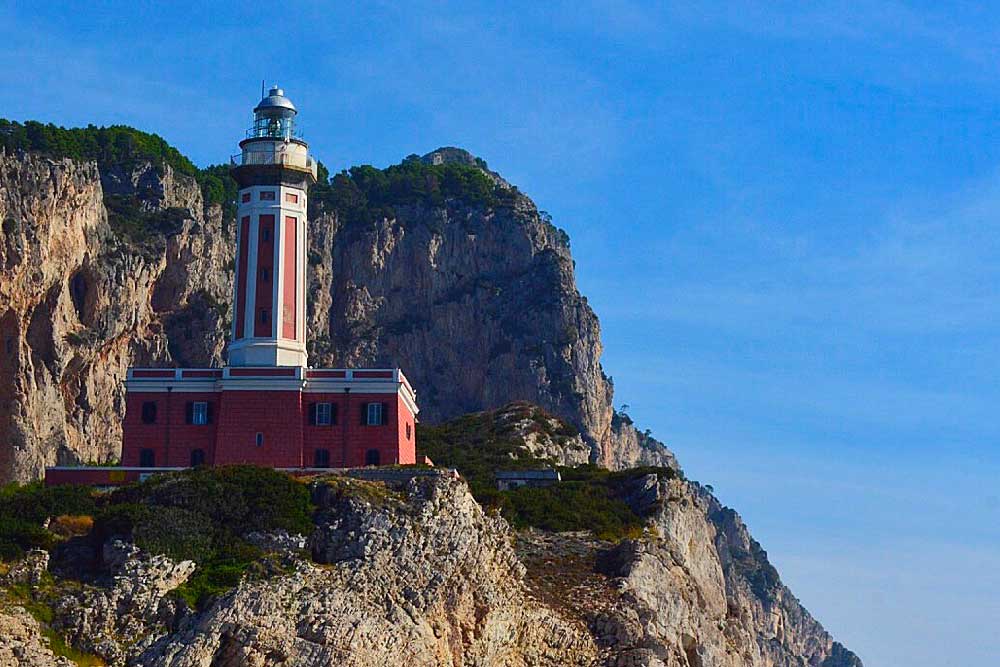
[290,270]
[241,278]
[264,297]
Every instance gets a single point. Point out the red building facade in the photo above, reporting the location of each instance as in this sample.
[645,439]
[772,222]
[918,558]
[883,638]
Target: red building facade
[267,407]
[284,417]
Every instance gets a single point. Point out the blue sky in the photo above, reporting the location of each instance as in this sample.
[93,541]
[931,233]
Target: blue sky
[785,214]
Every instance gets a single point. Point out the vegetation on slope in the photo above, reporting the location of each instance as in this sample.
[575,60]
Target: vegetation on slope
[202,514]
[118,145]
[361,194]
[365,194]
[589,498]
[25,509]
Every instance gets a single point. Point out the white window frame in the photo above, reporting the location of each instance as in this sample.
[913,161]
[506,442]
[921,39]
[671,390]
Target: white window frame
[374,410]
[324,414]
[199,413]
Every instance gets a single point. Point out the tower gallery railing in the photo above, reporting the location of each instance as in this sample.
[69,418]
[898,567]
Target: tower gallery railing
[280,156]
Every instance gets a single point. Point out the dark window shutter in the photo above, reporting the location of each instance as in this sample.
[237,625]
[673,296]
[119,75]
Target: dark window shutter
[208,413]
[385,414]
[189,412]
[333,414]
[364,414]
[312,414]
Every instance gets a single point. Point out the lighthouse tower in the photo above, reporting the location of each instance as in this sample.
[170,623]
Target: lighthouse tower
[274,171]
[267,407]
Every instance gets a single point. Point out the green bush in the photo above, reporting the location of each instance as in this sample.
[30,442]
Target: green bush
[365,194]
[239,499]
[114,145]
[203,514]
[172,531]
[24,509]
[571,506]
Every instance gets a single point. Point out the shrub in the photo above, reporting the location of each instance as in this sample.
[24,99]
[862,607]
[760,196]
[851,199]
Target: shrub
[365,194]
[240,499]
[24,510]
[18,535]
[72,525]
[571,506]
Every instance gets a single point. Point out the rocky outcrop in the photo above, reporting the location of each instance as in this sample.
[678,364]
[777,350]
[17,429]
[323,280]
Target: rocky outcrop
[410,572]
[703,594]
[81,300]
[131,610]
[22,643]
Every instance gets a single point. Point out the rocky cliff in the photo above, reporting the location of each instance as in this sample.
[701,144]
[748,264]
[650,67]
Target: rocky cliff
[83,296]
[410,570]
[105,268]
[704,593]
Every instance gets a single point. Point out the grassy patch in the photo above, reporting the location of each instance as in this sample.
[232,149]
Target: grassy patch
[481,443]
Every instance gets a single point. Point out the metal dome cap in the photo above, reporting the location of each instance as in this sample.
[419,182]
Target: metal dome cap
[275,100]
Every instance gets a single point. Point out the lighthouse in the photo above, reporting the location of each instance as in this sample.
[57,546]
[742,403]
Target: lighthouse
[274,171]
[267,406]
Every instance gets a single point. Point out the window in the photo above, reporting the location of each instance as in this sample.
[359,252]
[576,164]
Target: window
[259,440]
[197,457]
[198,413]
[323,414]
[245,197]
[291,198]
[372,457]
[147,458]
[408,433]
[321,459]
[375,414]
[264,275]
[149,412]
[267,195]
[266,235]
[265,316]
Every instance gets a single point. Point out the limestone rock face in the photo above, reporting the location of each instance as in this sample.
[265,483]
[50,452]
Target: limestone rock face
[703,594]
[80,303]
[412,571]
[479,306]
[415,574]
[21,641]
[131,611]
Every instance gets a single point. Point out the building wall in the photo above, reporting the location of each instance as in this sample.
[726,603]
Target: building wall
[170,437]
[407,429]
[352,430]
[283,420]
[276,415]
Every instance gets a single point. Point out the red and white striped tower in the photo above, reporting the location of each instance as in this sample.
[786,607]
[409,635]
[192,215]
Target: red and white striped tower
[274,172]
